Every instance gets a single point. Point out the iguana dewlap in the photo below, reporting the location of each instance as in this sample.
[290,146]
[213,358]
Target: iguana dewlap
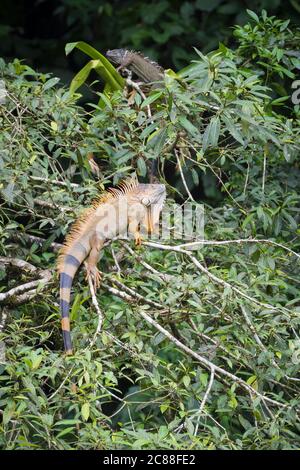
[127,209]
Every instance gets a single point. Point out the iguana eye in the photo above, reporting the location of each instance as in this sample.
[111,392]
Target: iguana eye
[146,201]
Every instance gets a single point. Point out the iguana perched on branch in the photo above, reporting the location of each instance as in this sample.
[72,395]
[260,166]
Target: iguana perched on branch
[130,207]
[144,68]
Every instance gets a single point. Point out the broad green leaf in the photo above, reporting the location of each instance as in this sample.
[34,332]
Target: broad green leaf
[85,411]
[211,133]
[83,74]
[142,169]
[50,83]
[253,15]
[157,140]
[150,99]
[96,55]
[232,128]
[105,69]
[187,125]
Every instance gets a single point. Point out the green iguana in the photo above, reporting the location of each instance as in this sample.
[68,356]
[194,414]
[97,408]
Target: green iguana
[144,68]
[130,207]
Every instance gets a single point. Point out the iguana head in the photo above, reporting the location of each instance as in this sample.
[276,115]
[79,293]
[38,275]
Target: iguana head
[146,202]
[148,194]
[116,55]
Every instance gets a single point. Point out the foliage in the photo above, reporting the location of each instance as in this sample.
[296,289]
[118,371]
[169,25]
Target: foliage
[221,138]
[166,30]
[113,80]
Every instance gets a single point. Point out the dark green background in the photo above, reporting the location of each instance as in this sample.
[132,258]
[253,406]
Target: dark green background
[166,30]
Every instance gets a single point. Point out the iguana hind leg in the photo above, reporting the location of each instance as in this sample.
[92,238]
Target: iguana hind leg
[92,261]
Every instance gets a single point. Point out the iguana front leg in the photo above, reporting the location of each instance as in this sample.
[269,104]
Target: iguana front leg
[134,229]
[91,263]
[127,60]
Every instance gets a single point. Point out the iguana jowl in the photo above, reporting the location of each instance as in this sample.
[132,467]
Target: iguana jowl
[129,207]
[145,69]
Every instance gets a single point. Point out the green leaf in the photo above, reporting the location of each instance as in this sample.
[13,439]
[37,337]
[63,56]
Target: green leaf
[253,15]
[85,411]
[188,126]
[67,422]
[150,99]
[232,128]
[107,71]
[50,83]
[142,169]
[164,407]
[81,77]
[252,381]
[8,412]
[186,380]
[65,431]
[36,361]
[211,133]
[157,140]
[54,126]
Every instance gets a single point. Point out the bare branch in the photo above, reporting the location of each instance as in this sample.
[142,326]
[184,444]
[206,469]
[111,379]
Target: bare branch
[208,364]
[214,278]
[210,384]
[182,177]
[24,292]
[97,308]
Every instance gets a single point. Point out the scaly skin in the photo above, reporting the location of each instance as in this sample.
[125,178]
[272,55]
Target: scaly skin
[145,69]
[129,207]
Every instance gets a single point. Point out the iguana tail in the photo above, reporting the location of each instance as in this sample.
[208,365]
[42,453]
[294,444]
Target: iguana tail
[68,266]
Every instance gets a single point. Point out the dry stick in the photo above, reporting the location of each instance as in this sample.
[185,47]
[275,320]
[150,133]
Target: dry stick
[58,183]
[211,380]
[206,363]
[27,287]
[34,239]
[247,179]
[182,177]
[136,295]
[62,383]
[96,305]
[118,269]
[24,292]
[216,344]
[50,205]
[19,263]
[253,330]
[239,241]
[117,292]
[164,277]
[136,87]
[264,172]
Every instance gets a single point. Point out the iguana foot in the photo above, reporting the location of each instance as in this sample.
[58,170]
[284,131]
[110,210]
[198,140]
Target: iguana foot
[95,275]
[137,239]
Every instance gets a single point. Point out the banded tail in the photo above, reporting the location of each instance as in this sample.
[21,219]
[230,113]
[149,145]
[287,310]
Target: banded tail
[68,267]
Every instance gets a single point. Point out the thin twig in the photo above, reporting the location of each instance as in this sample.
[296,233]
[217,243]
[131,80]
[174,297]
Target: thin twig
[239,241]
[137,87]
[211,381]
[206,363]
[214,278]
[97,308]
[182,177]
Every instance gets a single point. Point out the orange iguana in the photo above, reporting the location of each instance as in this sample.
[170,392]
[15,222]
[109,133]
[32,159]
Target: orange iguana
[129,207]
